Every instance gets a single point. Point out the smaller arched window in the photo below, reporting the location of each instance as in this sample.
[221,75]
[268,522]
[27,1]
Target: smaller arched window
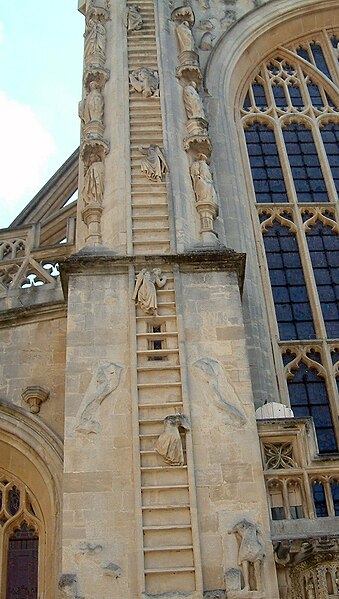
[20,530]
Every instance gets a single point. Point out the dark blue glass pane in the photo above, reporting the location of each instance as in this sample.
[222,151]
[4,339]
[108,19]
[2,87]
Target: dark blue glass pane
[319,500]
[325,260]
[289,291]
[305,166]
[335,496]
[279,96]
[247,102]
[308,397]
[304,54]
[320,60]
[315,95]
[296,97]
[265,165]
[259,95]
[330,137]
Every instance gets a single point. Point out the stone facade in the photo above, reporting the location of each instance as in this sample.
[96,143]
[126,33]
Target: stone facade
[139,335]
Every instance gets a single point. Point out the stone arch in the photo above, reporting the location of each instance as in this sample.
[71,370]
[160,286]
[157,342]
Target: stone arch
[228,72]
[33,455]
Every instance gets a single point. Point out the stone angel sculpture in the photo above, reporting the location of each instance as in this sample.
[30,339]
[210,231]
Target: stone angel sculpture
[134,20]
[145,292]
[145,82]
[185,37]
[169,444]
[154,165]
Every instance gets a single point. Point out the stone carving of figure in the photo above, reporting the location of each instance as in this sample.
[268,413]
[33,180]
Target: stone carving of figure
[94,104]
[205,3]
[133,18]
[310,590]
[145,81]
[169,444]
[185,37]
[222,391]
[193,102]
[93,188]
[251,551]
[145,292]
[95,39]
[68,587]
[154,164]
[105,379]
[202,181]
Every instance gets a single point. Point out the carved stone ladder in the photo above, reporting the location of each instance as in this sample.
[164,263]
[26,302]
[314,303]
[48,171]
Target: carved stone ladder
[170,542]
[171,562]
[150,230]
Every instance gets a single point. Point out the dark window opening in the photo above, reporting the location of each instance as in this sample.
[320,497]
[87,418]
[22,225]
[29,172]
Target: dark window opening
[22,569]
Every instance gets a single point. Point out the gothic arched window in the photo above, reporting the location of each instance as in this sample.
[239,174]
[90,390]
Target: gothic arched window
[20,529]
[290,121]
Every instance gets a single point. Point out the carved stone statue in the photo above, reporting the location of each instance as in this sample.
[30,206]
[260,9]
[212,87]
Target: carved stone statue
[145,81]
[94,180]
[202,181]
[222,391]
[68,587]
[154,164]
[310,590]
[95,39]
[251,551]
[105,379]
[94,104]
[169,444]
[133,18]
[193,103]
[145,293]
[185,37]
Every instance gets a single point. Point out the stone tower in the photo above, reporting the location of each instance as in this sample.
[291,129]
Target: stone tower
[160,456]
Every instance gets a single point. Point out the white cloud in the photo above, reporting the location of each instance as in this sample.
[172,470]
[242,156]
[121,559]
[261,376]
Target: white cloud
[25,148]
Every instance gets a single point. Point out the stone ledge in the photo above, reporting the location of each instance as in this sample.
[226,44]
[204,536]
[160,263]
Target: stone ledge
[32,313]
[103,261]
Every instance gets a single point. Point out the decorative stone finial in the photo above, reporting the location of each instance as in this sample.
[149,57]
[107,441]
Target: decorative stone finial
[34,396]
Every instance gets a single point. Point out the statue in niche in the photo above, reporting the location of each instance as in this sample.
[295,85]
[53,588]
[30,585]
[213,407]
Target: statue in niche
[310,590]
[145,81]
[145,290]
[185,37]
[169,444]
[202,181]
[95,39]
[94,180]
[154,165]
[94,104]
[105,379]
[193,102]
[251,551]
[134,21]
[223,392]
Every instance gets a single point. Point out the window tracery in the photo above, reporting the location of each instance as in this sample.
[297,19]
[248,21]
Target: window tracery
[290,118]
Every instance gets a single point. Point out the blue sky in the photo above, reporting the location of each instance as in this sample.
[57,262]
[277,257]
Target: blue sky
[41,46]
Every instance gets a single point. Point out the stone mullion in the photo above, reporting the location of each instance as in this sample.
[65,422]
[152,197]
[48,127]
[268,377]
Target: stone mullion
[331,385]
[325,167]
[285,164]
[328,497]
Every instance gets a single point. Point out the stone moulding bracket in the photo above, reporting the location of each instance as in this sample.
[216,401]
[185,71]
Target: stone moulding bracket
[34,396]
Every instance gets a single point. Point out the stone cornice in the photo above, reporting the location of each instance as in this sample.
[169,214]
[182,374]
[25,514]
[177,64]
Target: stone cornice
[32,313]
[103,261]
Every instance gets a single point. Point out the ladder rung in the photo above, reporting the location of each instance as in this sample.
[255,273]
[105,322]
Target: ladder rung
[164,487]
[183,506]
[160,405]
[170,570]
[169,548]
[168,527]
[151,468]
[156,385]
